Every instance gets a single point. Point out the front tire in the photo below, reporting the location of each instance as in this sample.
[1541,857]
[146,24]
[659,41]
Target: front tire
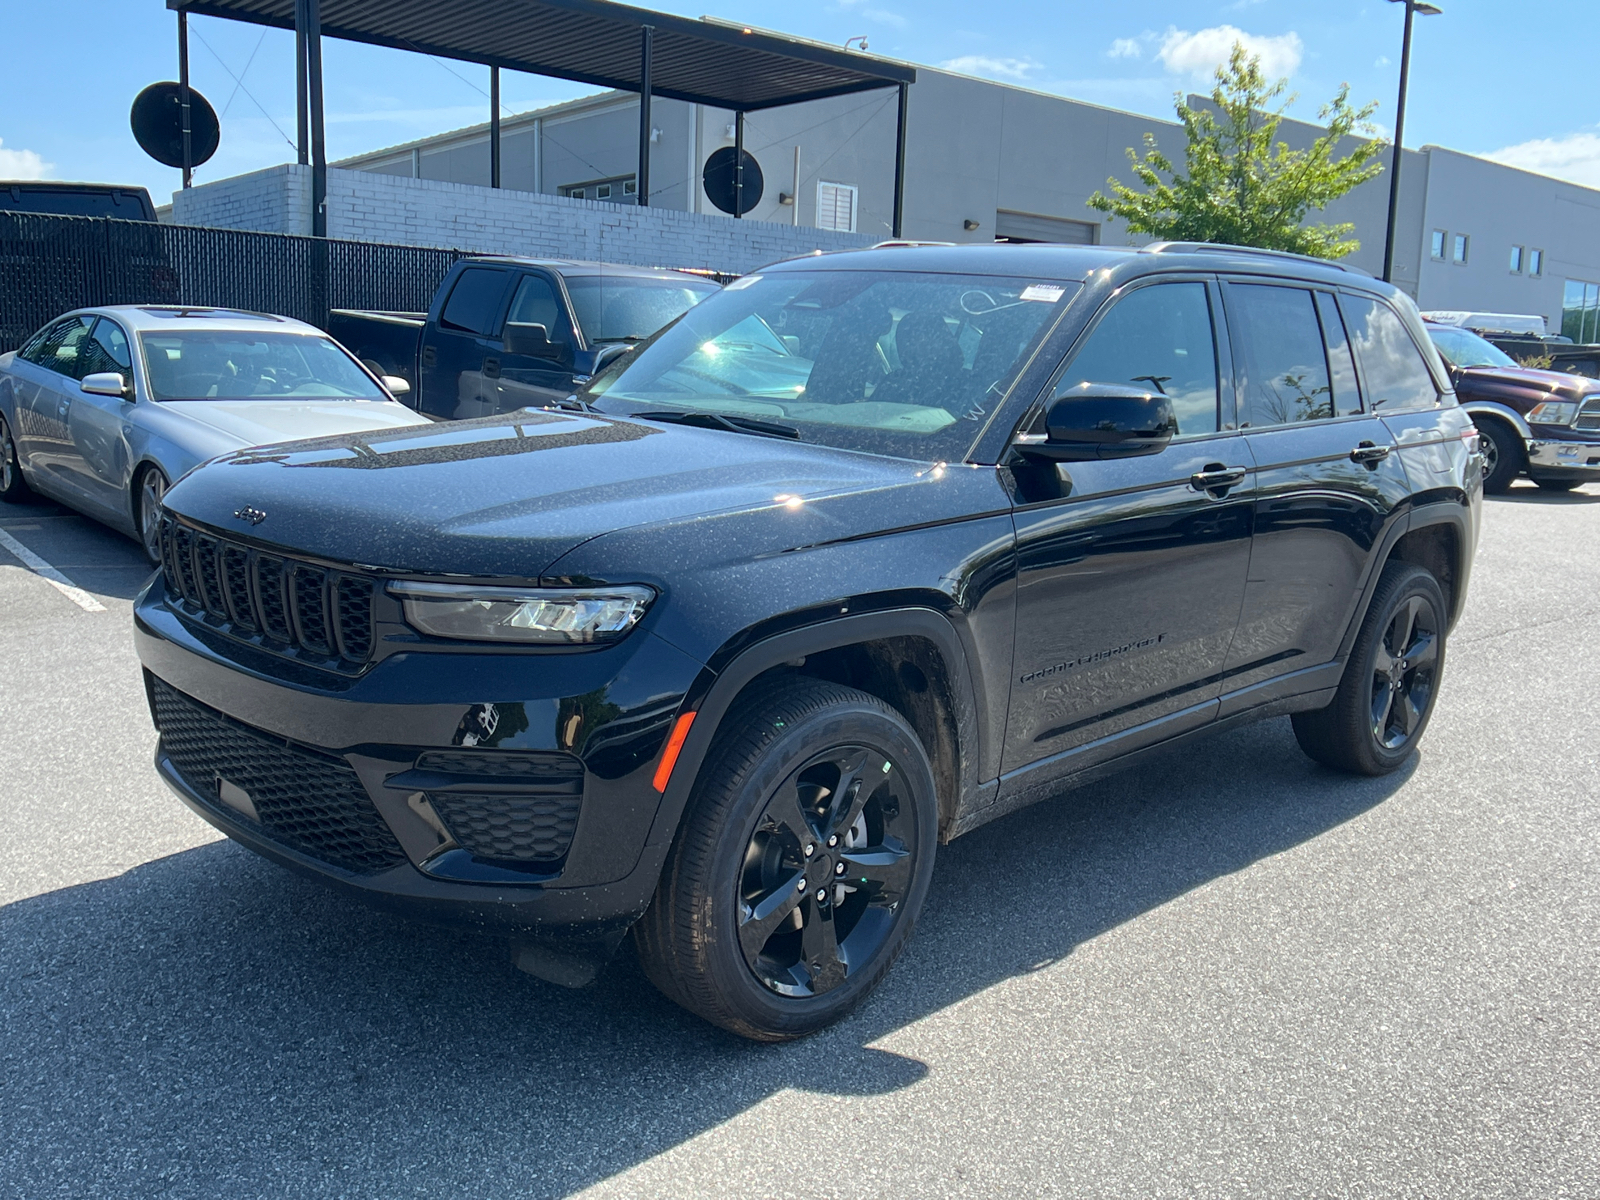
[14,488]
[148,492]
[800,867]
[1504,455]
[1390,682]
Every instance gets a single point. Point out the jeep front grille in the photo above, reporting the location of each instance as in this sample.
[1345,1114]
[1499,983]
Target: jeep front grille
[281,604]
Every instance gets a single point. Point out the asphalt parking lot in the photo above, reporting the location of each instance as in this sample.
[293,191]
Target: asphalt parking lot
[1229,974]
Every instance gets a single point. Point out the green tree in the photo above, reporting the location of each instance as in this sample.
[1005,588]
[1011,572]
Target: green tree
[1240,185]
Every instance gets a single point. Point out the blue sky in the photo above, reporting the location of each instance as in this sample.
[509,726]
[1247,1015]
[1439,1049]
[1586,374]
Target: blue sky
[1488,77]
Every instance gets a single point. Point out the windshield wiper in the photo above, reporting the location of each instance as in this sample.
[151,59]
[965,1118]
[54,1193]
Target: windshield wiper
[621,337]
[711,420]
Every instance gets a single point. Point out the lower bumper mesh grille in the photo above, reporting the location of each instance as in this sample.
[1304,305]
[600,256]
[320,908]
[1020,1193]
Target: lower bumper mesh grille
[310,802]
[523,829]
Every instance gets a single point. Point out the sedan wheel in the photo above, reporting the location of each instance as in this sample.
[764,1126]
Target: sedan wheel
[152,490]
[13,487]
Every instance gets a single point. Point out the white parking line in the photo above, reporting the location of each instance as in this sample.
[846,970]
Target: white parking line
[50,575]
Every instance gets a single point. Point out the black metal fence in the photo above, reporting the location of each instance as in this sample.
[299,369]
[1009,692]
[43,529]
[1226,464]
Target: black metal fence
[50,265]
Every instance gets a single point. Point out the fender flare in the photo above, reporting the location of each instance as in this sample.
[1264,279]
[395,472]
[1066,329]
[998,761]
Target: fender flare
[1441,512]
[1510,416]
[713,693]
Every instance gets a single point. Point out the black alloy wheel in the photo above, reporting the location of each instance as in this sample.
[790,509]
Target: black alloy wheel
[800,864]
[13,487]
[1503,454]
[825,872]
[1390,681]
[1403,672]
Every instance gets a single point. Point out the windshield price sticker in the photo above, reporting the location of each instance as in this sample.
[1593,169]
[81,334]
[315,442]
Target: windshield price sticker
[1049,293]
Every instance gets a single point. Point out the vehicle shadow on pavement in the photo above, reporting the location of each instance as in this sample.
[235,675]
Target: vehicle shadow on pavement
[209,1024]
[1534,494]
[94,557]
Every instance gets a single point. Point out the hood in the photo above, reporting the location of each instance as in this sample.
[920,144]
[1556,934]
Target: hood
[1521,386]
[256,422]
[505,496]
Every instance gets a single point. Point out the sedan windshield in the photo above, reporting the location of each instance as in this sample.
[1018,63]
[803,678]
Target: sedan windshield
[1463,348]
[624,308]
[891,362]
[207,364]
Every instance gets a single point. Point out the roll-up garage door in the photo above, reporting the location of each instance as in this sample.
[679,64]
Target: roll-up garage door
[1030,227]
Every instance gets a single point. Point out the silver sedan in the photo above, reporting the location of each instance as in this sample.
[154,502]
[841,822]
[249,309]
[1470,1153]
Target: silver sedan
[104,408]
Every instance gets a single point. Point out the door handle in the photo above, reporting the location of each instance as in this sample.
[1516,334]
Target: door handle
[491,368]
[430,357]
[1216,479]
[1369,453]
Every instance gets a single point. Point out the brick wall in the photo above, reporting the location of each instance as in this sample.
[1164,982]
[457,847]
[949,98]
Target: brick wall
[363,206]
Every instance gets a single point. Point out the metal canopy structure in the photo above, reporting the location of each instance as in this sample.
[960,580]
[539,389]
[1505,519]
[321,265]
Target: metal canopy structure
[587,41]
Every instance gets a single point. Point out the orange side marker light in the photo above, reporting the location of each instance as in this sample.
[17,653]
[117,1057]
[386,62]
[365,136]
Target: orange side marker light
[669,757]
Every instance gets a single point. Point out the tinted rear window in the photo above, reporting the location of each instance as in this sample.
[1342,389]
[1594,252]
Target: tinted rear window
[126,205]
[474,301]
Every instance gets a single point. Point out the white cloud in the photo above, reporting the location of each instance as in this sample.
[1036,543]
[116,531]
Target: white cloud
[1575,157]
[984,64]
[1199,54]
[1381,61]
[881,15]
[1124,48]
[23,164]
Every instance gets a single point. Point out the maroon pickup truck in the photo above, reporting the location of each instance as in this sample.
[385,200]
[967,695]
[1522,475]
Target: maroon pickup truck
[1542,423]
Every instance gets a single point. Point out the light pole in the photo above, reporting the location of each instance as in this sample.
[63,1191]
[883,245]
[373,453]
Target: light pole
[1412,8]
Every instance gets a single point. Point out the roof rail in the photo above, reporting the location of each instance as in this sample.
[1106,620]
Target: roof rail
[1225,248]
[891,243]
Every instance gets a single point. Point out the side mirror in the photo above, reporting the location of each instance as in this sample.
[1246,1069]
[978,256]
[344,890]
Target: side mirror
[107,383]
[397,387]
[532,340]
[1100,420]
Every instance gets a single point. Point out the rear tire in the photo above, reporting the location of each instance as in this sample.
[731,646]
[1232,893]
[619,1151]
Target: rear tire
[1390,683]
[800,866]
[1504,455]
[14,488]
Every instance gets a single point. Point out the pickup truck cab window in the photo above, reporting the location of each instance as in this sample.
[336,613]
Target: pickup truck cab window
[474,302]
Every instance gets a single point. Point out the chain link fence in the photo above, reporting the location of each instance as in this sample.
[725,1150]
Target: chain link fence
[50,265]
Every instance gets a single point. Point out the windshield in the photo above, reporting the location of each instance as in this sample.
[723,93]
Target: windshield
[206,364]
[1463,348]
[891,362]
[622,308]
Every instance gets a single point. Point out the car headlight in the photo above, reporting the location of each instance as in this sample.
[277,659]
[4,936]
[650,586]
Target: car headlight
[1553,413]
[547,616]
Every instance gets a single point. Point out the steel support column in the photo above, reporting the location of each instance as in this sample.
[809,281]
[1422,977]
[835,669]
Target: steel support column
[494,127]
[738,164]
[302,104]
[183,97]
[900,163]
[319,150]
[641,185]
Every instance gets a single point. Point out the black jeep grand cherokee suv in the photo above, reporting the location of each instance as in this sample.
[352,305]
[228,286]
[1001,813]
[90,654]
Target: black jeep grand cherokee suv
[861,553]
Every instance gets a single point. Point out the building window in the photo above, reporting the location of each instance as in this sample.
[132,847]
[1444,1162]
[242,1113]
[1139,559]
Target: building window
[1535,263]
[618,190]
[1580,311]
[1516,260]
[1458,249]
[836,207]
[1436,247]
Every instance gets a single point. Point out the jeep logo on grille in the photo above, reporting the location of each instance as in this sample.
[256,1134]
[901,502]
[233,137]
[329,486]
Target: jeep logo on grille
[254,515]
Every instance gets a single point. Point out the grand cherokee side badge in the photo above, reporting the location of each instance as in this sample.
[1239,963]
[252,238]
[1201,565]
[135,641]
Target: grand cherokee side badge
[254,515]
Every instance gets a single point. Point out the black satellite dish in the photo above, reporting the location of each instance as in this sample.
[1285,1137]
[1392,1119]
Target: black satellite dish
[157,120]
[718,178]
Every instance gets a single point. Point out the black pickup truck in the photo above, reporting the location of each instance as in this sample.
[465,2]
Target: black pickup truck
[510,333]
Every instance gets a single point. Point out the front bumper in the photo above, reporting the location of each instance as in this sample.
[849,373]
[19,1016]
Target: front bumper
[1561,459]
[384,735]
